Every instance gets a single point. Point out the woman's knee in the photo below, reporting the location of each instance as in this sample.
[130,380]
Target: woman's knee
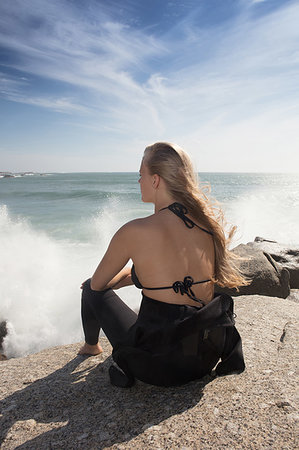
[90,294]
[86,284]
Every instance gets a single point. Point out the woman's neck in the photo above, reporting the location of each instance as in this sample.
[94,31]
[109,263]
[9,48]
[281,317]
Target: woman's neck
[163,202]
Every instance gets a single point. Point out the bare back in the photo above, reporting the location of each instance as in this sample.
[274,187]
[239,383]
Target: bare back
[166,250]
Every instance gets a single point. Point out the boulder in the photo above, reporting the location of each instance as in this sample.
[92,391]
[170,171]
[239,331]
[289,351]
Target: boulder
[3,332]
[286,257]
[267,277]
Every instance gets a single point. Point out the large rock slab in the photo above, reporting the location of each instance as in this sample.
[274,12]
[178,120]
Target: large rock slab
[285,256]
[56,399]
[267,277]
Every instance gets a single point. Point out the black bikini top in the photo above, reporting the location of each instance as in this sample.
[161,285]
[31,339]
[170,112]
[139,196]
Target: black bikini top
[184,287]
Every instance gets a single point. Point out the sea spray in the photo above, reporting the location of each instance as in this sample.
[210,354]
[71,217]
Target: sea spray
[40,282]
[268,213]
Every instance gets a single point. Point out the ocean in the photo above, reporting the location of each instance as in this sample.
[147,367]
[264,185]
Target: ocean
[54,229]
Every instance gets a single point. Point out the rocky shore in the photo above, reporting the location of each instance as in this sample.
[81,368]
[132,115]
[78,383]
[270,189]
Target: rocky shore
[272,268]
[18,174]
[56,399]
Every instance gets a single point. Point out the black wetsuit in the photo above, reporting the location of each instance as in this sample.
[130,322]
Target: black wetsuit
[166,344]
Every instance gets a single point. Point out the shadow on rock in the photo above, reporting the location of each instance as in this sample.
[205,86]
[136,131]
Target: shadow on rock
[77,407]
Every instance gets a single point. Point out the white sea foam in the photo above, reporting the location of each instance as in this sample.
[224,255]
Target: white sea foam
[271,215]
[40,284]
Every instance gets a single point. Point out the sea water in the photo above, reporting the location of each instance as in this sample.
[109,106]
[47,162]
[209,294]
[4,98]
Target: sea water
[55,228]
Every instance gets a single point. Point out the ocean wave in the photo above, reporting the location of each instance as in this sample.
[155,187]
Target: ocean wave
[40,282]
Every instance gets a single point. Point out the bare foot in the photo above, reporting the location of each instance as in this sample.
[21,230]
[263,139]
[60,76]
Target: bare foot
[91,350]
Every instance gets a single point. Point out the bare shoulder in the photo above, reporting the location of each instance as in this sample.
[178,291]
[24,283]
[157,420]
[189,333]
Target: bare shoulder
[138,225]
[130,236]
[138,231]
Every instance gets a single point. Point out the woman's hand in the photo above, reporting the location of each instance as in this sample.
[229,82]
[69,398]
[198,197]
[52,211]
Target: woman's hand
[81,287]
[122,279]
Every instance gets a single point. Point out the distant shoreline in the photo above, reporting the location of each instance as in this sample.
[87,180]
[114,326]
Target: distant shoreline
[203,172]
[19,174]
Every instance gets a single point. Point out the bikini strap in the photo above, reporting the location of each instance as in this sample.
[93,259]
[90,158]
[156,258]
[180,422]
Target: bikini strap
[184,287]
[180,210]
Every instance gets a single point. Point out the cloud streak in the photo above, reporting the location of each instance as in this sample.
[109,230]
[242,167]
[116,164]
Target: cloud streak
[141,83]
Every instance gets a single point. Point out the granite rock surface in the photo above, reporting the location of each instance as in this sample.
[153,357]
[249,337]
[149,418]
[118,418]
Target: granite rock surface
[267,277]
[56,399]
[286,257]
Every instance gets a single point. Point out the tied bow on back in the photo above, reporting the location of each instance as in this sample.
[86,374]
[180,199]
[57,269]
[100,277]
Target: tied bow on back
[180,211]
[184,287]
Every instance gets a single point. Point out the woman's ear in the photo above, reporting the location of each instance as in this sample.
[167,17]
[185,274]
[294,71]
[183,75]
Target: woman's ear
[156,181]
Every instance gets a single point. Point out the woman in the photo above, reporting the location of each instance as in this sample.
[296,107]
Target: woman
[178,253]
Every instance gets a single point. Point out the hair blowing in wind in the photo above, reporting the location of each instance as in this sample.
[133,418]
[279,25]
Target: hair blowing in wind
[175,167]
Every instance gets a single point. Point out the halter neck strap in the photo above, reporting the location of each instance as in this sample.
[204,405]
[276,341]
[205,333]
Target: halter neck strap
[180,210]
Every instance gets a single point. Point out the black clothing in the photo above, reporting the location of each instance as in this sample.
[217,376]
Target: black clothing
[183,286]
[181,211]
[173,344]
[104,309]
[167,344]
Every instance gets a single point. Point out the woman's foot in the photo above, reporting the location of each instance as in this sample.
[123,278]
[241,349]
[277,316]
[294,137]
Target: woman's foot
[91,350]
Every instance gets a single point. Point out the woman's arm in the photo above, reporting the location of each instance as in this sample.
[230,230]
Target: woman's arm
[111,272]
[123,278]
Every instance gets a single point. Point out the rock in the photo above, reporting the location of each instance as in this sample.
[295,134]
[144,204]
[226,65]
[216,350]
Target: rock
[3,332]
[287,257]
[267,277]
[294,295]
[71,403]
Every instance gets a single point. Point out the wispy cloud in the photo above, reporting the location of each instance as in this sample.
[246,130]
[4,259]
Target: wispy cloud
[59,45]
[100,59]
[14,88]
[137,82]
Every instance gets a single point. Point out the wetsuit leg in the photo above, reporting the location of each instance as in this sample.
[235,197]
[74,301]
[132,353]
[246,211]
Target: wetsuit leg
[104,309]
[232,360]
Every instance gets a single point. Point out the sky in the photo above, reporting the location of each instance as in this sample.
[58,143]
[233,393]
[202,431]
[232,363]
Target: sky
[85,86]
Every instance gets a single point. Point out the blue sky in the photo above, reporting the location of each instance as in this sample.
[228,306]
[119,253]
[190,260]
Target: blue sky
[86,85]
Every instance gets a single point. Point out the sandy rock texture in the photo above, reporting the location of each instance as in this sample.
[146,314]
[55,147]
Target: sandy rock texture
[58,400]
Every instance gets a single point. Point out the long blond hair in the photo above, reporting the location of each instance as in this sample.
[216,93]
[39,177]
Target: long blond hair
[173,164]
